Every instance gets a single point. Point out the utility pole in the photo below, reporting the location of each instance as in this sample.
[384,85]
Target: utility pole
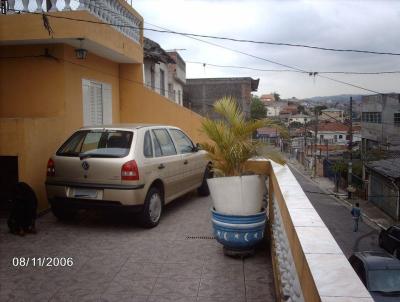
[315,143]
[305,143]
[350,165]
[327,149]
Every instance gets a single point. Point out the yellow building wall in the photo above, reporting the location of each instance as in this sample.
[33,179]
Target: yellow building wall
[17,28]
[142,105]
[41,104]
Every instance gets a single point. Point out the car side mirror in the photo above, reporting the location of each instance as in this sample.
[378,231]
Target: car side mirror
[196,148]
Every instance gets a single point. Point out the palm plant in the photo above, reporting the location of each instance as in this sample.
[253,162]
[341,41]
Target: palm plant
[231,136]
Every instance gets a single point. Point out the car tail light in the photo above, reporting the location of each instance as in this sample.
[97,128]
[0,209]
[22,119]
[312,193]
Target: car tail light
[130,171]
[51,168]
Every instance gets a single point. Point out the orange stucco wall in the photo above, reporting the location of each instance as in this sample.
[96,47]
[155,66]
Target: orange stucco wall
[41,104]
[141,105]
[19,28]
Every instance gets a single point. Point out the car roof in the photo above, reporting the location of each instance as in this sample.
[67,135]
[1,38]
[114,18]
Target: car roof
[378,260]
[125,126]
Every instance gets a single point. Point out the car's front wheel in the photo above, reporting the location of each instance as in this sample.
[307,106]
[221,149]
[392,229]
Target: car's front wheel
[152,208]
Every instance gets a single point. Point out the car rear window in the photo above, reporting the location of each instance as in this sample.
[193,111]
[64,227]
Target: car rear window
[97,143]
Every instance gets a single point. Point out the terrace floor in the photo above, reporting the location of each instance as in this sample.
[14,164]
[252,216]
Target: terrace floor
[114,260]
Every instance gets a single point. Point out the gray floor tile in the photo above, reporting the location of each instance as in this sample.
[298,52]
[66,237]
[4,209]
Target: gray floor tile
[176,286]
[137,287]
[222,287]
[171,298]
[221,269]
[221,299]
[259,289]
[182,270]
[255,271]
[117,261]
[139,271]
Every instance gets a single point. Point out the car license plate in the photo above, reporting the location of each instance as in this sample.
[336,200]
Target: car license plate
[85,193]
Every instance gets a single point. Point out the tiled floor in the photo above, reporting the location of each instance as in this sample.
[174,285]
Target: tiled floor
[114,260]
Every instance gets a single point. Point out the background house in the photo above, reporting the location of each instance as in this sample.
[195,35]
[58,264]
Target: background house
[53,85]
[332,115]
[300,118]
[156,72]
[380,122]
[267,99]
[176,77]
[200,94]
[383,185]
[335,133]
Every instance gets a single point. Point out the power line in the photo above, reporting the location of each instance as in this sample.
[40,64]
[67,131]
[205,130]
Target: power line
[210,43]
[168,31]
[288,70]
[277,63]
[242,67]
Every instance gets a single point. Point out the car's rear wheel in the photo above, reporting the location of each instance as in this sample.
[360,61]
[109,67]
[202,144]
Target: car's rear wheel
[152,209]
[63,213]
[203,190]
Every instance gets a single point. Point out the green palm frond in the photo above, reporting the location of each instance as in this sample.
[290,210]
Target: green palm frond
[231,136]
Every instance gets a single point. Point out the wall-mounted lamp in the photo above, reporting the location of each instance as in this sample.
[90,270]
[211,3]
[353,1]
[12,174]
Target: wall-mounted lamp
[80,52]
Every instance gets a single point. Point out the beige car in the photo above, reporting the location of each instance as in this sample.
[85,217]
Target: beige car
[139,167]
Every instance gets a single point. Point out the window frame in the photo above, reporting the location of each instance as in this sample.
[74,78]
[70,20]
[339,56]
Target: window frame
[396,119]
[151,144]
[102,137]
[176,144]
[169,135]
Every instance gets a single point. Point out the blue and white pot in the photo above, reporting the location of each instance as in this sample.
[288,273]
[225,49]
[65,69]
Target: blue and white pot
[237,232]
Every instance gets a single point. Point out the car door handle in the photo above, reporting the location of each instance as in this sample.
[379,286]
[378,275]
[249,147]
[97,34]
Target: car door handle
[185,162]
[161,166]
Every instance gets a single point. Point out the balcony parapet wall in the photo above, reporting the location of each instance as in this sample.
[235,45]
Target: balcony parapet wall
[117,12]
[308,263]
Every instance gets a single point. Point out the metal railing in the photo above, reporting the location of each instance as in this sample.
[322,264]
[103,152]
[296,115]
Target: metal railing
[112,12]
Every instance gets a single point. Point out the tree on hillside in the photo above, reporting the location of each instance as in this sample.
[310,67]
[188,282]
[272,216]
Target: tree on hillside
[295,125]
[257,109]
[277,97]
[319,108]
[301,109]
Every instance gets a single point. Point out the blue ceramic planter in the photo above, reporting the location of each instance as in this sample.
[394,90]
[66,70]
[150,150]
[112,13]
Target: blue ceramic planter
[238,232]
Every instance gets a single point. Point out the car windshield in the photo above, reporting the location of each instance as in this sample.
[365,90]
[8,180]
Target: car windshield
[97,143]
[385,280]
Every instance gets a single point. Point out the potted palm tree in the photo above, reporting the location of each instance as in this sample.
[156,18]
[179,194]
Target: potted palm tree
[238,215]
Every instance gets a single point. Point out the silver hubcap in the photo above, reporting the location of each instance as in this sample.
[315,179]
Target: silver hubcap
[155,207]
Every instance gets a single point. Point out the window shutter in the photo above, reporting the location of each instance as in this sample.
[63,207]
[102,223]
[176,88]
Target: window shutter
[86,102]
[97,103]
[107,103]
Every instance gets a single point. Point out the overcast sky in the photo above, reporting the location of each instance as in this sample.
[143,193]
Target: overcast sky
[367,25]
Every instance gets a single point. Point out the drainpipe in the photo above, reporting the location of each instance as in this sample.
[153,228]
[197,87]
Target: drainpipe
[398,199]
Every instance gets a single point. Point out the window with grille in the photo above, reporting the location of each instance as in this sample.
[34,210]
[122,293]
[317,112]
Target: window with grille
[97,103]
[162,82]
[396,119]
[372,117]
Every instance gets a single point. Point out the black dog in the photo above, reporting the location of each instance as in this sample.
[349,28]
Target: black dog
[23,210]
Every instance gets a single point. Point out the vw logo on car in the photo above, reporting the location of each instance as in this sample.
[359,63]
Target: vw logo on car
[85,165]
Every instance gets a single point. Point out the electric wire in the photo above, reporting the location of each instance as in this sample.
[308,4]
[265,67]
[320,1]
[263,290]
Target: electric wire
[211,43]
[297,45]
[288,70]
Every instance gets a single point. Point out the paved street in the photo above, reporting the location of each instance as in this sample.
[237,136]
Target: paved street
[338,219]
[114,260]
